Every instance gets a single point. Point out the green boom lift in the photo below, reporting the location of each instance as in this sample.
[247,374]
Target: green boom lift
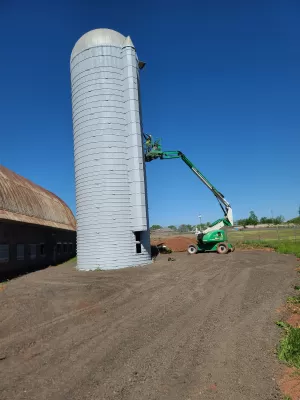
[213,238]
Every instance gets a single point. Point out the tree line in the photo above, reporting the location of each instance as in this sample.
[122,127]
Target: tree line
[182,228]
[251,220]
[254,220]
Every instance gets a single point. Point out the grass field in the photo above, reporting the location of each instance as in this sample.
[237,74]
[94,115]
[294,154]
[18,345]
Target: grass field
[281,234]
[281,246]
[283,240]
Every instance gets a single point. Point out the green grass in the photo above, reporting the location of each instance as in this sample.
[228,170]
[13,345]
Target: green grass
[287,398]
[282,234]
[287,248]
[293,300]
[289,346]
[283,247]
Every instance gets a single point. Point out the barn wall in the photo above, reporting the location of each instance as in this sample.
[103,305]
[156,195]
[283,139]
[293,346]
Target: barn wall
[13,233]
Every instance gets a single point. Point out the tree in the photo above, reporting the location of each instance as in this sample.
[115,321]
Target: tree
[173,227]
[201,227]
[278,220]
[154,227]
[295,220]
[266,220]
[182,228]
[299,211]
[242,222]
[185,228]
[252,220]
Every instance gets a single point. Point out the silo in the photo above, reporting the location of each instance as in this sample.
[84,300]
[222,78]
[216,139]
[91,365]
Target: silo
[111,198]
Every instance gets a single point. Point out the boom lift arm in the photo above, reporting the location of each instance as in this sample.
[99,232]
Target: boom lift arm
[156,152]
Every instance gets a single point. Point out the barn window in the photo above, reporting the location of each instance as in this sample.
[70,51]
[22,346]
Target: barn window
[58,248]
[4,253]
[32,251]
[65,247]
[70,247]
[20,251]
[138,246]
[42,249]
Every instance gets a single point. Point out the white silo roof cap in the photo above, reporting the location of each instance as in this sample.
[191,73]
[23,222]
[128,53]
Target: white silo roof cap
[100,37]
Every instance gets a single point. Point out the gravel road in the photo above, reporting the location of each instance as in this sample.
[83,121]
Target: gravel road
[200,327]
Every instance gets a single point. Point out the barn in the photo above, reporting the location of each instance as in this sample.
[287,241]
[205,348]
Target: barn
[37,228]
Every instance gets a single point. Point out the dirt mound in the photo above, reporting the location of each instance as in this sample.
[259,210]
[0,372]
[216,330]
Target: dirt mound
[176,243]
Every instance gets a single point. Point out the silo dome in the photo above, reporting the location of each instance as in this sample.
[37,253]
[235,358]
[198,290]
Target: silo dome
[111,197]
[98,37]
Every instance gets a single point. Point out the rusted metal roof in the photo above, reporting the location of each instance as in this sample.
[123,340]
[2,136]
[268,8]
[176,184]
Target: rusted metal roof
[23,201]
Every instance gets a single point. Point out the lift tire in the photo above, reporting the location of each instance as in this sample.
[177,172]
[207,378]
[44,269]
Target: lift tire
[192,249]
[222,248]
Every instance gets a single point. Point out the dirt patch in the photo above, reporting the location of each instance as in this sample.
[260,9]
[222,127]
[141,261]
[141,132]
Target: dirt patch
[244,246]
[290,383]
[176,243]
[292,308]
[265,250]
[281,310]
[201,327]
[294,320]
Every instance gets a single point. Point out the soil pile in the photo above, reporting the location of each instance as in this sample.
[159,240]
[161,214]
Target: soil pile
[176,243]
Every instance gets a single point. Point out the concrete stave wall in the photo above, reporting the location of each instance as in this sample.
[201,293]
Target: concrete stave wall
[109,168]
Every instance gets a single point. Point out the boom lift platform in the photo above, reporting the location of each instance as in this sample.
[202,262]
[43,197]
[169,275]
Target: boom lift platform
[213,238]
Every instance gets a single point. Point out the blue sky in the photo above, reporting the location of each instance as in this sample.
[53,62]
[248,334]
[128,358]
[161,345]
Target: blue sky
[222,84]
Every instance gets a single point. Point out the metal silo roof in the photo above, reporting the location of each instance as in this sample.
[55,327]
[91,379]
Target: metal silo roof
[100,37]
[23,201]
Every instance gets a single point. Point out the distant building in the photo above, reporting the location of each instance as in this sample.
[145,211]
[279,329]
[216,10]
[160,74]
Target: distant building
[36,227]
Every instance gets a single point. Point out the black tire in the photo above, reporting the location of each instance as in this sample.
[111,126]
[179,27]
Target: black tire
[222,248]
[154,252]
[192,249]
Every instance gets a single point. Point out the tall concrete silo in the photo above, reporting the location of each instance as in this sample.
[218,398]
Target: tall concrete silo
[111,197]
